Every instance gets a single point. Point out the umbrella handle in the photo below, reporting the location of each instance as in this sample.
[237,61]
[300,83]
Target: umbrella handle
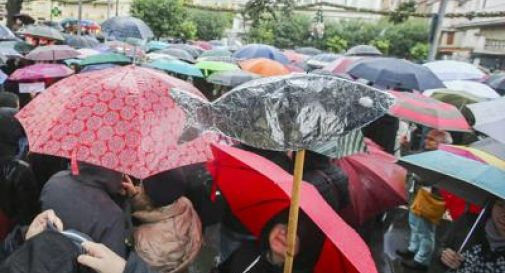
[474,227]
[294,211]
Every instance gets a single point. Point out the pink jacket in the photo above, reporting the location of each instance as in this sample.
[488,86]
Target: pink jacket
[169,237]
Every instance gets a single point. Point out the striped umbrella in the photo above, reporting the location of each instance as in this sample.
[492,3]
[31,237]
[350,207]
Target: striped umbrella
[417,108]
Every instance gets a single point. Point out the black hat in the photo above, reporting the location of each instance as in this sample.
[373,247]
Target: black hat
[165,188]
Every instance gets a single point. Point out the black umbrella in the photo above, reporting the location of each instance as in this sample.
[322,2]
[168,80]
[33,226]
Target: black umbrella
[363,50]
[321,60]
[391,73]
[308,51]
[178,53]
[79,42]
[193,50]
[122,27]
[231,78]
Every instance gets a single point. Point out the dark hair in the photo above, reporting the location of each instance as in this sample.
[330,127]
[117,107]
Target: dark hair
[311,239]
[19,191]
[8,99]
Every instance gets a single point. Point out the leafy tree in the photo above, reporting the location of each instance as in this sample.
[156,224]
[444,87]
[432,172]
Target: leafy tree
[188,30]
[210,25]
[336,44]
[405,36]
[382,44]
[262,33]
[419,52]
[402,13]
[260,10]
[13,7]
[291,31]
[165,17]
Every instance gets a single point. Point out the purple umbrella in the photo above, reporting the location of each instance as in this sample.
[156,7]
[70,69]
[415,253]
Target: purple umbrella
[40,72]
[52,53]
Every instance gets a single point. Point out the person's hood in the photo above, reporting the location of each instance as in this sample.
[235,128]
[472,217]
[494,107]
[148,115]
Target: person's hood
[99,177]
[10,132]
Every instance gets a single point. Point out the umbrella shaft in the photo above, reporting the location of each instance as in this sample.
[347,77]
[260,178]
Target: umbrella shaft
[294,211]
[472,230]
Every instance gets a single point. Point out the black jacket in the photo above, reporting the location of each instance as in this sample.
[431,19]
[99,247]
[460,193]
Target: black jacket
[11,132]
[85,203]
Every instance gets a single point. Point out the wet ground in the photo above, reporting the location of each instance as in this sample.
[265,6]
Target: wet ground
[384,236]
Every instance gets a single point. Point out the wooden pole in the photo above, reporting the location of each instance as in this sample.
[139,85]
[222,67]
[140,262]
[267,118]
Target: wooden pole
[293,211]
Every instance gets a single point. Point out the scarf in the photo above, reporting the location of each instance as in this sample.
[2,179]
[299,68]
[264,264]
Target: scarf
[496,241]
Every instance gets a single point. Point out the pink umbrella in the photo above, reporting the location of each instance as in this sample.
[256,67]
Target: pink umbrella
[340,65]
[38,72]
[294,57]
[203,45]
[294,69]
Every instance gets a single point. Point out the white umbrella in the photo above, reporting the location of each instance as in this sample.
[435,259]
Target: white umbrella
[474,88]
[86,52]
[454,70]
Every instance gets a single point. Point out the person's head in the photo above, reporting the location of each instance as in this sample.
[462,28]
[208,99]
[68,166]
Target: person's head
[19,191]
[436,137]
[498,216]
[165,188]
[309,240]
[9,100]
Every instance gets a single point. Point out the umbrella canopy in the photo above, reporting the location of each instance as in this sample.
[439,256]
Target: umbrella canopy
[38,72]
[264,191]
[79,42]
[176,66]
[254,51]
[294,68]
[231,78]
[311,51]
[497,82]
[122,27]
[52,53]
[157,56]
[428,111]
[340,65]
[475,88]
[10,53]
[223,59]
[192,50]
[391,73]
[110,58]
[156,45]
[178,53]
[475,154]
[490,118]
[20,46]
[95,67]
[216,43]
[264,67]
[70,62]
[448,70]
[42,31]
[376,183]
[363,50]
[216,66]
[322,60]
[203,44]
[474,181]
[122,119]
[87,52]
[215,53]
[125,48]
[295,57]
[453,97]
[6,34]
[491,146]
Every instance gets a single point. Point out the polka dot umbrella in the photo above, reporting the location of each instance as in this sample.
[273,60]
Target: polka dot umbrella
[122,119]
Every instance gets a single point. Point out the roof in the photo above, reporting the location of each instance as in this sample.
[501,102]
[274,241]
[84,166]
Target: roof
[486,23]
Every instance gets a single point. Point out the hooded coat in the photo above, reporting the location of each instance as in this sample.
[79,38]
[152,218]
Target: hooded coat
[11,132]
[169,237]
[85,203]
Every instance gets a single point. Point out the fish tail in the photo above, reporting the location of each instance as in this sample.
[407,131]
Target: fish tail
[197,112]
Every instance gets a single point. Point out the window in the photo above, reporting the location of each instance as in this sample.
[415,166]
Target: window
[450,38]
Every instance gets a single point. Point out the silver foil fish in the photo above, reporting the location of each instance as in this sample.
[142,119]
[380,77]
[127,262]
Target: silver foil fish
[292,112]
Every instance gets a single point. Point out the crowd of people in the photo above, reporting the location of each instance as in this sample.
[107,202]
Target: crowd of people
[56,217]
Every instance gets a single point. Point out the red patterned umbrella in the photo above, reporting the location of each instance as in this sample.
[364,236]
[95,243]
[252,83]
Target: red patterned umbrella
[123,119]
[429,112]
[39,72]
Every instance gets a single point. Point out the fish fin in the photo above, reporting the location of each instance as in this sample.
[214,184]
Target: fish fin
[196,110]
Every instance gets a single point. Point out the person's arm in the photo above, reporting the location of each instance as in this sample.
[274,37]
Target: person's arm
[115,235]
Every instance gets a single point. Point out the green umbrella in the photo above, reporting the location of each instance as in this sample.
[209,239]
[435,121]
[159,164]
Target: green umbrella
[176,66]
[111,58]
[19,46]
[207,66]
[70,62]
[43,32]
